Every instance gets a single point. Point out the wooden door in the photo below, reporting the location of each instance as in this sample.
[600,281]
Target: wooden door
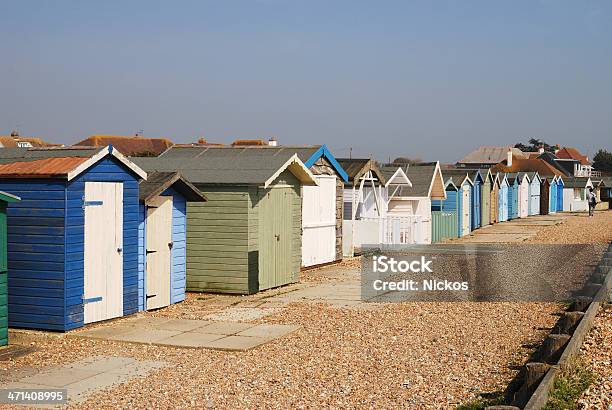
[319,221]
[103,251]
[465,209]
[159,252]
[276,225]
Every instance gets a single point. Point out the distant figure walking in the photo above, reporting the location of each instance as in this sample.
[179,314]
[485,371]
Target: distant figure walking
[592,199]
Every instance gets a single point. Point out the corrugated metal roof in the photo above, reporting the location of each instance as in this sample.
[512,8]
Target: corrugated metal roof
[48,167]
[129,145]
[220,165]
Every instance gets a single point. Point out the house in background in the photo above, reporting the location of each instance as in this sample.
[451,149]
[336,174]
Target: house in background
[364,204]
[487,157]
[577,164]
[16,141]
[132,146]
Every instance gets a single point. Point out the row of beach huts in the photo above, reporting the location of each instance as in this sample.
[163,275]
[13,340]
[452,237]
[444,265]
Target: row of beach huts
[90,234]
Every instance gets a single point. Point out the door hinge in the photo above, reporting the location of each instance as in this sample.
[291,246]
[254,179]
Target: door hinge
[150,251]
[91,300]
[151,296]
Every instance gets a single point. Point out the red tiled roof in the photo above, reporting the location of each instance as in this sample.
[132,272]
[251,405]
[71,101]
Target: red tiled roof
[572,153]
[527,165]
[131,146]
[240,143]
[8,141]
[48,167]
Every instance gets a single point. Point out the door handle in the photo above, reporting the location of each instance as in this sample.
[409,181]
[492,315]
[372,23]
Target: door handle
[170,245]
[277,237]
[119,250]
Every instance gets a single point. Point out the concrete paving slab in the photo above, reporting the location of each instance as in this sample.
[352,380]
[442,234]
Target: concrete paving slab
[146,336]
[268,331]
[59,377]
[234,314]
[224,328]
[184,325]
[103,332]
[147,321]
[239,343]
[101,364]
[191,339]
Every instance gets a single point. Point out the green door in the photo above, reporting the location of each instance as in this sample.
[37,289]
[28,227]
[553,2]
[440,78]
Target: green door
[276,240]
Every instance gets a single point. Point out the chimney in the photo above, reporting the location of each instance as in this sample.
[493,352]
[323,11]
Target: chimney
[557,148]
[272,142]
[541,149]
[509,157]
[15,134]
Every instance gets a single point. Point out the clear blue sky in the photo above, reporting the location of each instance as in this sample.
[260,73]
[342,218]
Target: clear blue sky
[431,79]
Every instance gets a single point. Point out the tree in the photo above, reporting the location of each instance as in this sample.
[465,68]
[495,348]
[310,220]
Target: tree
[534,145]
[406,161]
[602,161]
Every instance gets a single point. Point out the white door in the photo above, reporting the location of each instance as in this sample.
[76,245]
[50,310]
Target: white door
[524,200]
[465,210]
[103,251]
[159,250]
[319,222]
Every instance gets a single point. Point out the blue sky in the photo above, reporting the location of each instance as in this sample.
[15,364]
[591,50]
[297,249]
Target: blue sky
[430,79]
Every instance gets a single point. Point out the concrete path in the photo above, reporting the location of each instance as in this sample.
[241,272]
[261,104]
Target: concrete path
[188,333]
[515,230]
[337,294]
[86,376]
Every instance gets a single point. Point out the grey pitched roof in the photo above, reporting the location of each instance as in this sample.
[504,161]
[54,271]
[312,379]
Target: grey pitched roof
[10,155]
[304,152]
[421,177]
[220,165]
[158,182]
[575,182]
[356,167]
[456,174]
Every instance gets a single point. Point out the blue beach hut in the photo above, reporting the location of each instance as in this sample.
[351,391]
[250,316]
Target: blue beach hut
[162,238]
[73,238]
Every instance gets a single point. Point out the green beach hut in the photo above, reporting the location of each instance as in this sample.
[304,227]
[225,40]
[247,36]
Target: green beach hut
[5,198]
[247,237]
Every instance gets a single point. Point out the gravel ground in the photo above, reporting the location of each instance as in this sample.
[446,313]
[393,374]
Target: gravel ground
[411,355]
[415,355]
[597,353]
[578,228]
